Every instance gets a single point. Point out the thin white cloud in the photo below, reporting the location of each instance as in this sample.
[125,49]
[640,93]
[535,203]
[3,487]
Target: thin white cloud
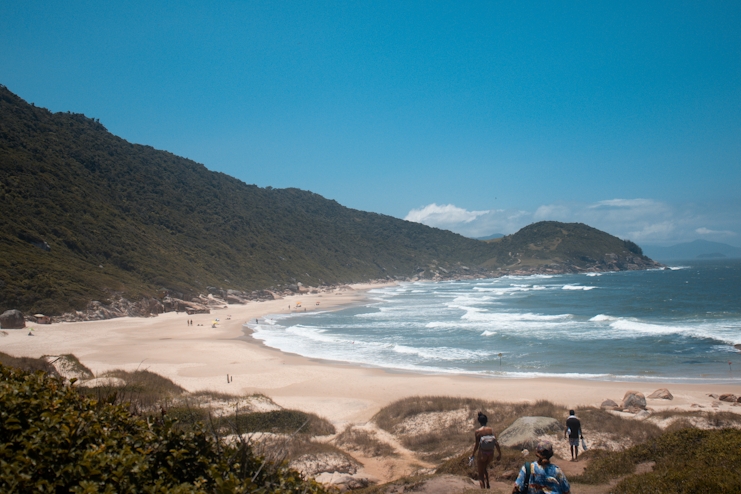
[643,220]
[651,231]
[470,223]
[624,203]
[448,214]
[708,231]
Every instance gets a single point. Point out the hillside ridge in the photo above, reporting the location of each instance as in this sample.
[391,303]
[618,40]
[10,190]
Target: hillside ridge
[88,216]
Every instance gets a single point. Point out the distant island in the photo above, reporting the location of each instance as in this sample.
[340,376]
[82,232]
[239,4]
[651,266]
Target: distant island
[91,222]
[491,237]
[697,249]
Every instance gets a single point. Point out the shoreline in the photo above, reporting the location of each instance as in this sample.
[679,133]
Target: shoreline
[199,357]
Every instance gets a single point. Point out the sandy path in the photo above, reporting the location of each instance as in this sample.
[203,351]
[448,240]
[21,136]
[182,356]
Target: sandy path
[200,357]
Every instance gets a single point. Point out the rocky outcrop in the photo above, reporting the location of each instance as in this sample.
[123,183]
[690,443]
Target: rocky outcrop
[728,397]
[526,431]
[609,405]
[633,399]
[661,394]
[12,319]
[171,304]
[121,307]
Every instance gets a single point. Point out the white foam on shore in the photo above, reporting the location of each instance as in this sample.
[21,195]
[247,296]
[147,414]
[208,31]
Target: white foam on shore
[515,316]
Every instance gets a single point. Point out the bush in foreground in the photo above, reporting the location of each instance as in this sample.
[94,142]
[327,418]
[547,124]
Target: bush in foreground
[686,461]
[54,440]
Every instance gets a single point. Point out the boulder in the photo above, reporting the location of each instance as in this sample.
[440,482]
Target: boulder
[643,415]
[661,394]
[12,319]
[738,400]
[633,399]
[609,405]
[272,295]
[731,398]
[525,431]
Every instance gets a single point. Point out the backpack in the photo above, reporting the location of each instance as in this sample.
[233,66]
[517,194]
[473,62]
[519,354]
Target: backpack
[488,443]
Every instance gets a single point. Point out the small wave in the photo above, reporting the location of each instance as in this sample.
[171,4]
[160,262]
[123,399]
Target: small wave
[488,333]
[603,318]
[441,353]
[578,287]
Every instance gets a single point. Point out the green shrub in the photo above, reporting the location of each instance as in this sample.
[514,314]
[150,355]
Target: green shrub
[282,422]
[52,439]
[686,461]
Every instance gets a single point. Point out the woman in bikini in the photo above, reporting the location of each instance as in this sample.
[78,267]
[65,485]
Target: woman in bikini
[484,457]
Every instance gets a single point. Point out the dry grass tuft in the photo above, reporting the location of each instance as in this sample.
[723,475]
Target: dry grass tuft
[423,423]
[365,441]
[28,364]
[624,431]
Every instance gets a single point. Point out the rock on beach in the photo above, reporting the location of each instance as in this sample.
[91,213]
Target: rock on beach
[633,399]
[609,405]
[661,394]
[12,319]
[525,431]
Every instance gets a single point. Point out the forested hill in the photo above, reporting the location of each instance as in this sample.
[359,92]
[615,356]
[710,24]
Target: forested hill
[86,215]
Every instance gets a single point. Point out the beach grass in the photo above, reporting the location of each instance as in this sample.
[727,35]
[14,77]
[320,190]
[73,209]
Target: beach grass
[357,439]
[445,424]
[686,460]
[28,364]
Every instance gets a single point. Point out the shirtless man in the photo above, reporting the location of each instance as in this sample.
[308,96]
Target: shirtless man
[484,457]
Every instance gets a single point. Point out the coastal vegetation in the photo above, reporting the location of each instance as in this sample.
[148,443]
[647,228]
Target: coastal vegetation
[146,434]
[87,216]
[54,439]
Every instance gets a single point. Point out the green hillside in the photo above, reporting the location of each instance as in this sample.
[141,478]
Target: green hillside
[565,247]
[88,216]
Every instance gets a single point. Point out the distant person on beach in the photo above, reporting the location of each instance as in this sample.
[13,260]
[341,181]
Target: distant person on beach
[573,431]
[485,442]
[542,476]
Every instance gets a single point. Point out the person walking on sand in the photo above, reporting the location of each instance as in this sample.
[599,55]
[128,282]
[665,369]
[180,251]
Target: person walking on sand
[542,476]
[485,442]
[573,431]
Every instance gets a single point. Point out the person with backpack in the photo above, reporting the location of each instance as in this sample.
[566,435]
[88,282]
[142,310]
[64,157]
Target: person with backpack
[542,476]
[573,431]
[485,442]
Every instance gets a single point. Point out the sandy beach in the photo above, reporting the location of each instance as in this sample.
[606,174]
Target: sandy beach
[199,357]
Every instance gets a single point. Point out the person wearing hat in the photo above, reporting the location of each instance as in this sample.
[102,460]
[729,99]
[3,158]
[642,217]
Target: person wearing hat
[542,476]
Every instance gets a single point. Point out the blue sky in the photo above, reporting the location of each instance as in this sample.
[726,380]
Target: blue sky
[478,117]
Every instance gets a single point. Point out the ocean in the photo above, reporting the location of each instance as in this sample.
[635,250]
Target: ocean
[673,325]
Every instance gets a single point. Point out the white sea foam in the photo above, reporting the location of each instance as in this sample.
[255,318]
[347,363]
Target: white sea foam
[603,318]
[460,327]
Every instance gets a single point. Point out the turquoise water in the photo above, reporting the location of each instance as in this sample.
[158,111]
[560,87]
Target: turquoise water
[679,325]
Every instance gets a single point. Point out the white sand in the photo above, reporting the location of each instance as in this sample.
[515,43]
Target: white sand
[200,357]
